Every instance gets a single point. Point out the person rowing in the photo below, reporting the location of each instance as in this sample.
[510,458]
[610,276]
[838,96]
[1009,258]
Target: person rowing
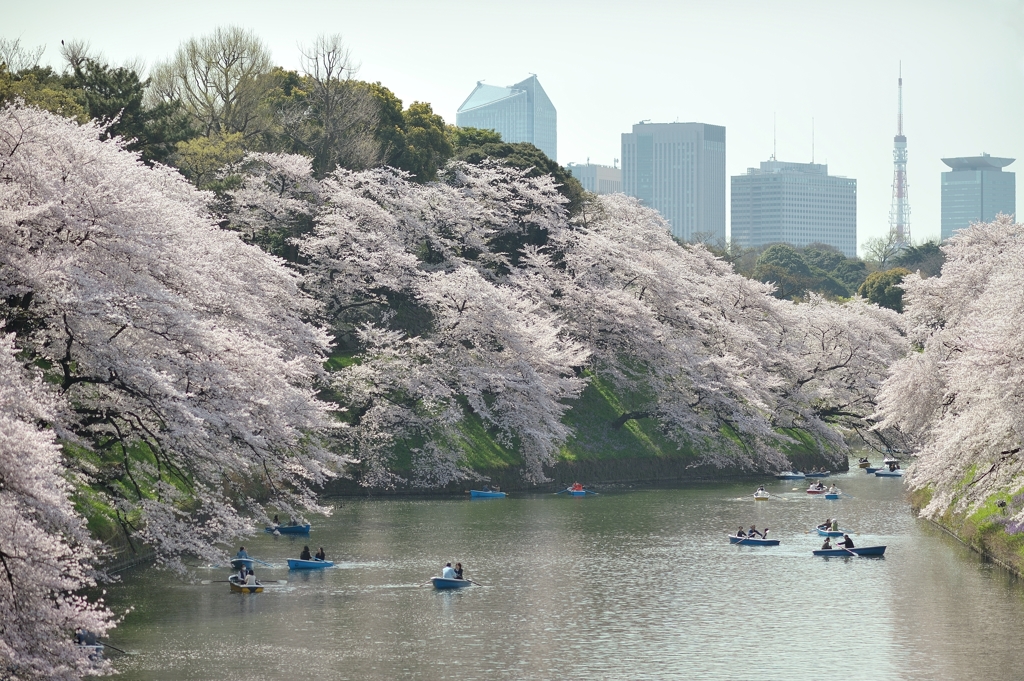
[847,543]
[825,525]
[241,553]
[740,532]
[833,489]
[448,572]
[305,555]
[754,533]
[576,487]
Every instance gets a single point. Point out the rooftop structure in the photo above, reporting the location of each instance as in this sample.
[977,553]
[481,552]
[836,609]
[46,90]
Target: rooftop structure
[520,113]
[597,178]
[679,170]
[976,189]
[794,203]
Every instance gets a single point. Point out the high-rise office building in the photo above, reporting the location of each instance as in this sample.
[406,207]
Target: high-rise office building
[679,170]
[976,189]
[597,178]
[520,112]
[794,203]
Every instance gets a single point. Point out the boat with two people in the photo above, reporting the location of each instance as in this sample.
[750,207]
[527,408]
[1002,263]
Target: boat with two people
[815,473]
[487,492]
[451,578]
[307,562]
[846,548]
[245,585]
[817,488]
[830,528]
[293,527]
[863,462]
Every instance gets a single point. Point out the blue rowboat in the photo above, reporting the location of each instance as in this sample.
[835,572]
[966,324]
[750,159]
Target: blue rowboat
[442,583]
[297,564]
[889,474]
[832,533]
[832,495]
[822,474]
[480,494]
[866,551]
[289,529]
[577,493]
[752,541]
[791,476]
[871,469]
[239,563]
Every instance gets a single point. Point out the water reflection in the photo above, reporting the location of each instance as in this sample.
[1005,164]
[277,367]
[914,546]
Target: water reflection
[639,584]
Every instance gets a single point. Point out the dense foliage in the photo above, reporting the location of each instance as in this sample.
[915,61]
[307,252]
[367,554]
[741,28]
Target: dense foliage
[959,399]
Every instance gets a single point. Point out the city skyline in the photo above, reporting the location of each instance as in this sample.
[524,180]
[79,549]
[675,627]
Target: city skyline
[836,65]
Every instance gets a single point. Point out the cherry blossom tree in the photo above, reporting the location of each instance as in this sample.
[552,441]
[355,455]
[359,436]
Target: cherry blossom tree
[45,551]
[960,399]
[180,352]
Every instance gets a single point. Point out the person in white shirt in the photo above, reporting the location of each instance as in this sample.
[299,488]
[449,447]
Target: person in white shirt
[448,572]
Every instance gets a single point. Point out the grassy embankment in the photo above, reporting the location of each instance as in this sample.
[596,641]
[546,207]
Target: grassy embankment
[985,529]
[598,451]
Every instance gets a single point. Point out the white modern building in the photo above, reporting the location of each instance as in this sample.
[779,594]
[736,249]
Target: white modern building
[794,203]
[520,113]
[679,170]
[596,178]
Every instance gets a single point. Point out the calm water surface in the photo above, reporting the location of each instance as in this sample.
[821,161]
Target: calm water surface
[635,584]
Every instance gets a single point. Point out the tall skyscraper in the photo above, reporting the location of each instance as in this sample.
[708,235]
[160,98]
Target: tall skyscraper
[794,203]
[679,170]
[597,178]
[976,190]
[520,112]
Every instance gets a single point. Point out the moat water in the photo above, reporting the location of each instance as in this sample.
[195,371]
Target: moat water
[629,584]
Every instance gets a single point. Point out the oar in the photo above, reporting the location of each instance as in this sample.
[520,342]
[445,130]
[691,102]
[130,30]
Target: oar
[563,491]
[215,581]
[477,583]
[107,645]
[590,492]
[257,560]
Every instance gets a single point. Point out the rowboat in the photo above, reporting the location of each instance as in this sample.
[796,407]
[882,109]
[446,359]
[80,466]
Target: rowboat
[761,495]
[577,492]
[752,541]
[797,475]
[885,473]
[820,474]
[299,564]
[832,495]
[831,533]
[866,551]
[871,469]
[239,563]
[442,583]
[480,494]
[815,490]
[289,529]
[864,464]
[239,586]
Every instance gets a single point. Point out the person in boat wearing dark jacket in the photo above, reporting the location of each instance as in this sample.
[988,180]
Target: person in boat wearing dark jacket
[241,553]
[827,545]
[847,543]
[740,532]
[320,555]
[305,554]
[754,533]
[458,571]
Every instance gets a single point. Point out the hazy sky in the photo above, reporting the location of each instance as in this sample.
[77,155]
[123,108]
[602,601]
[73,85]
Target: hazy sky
[607,65]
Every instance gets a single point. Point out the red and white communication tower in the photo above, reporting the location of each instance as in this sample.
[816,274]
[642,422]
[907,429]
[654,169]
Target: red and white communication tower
[899,213]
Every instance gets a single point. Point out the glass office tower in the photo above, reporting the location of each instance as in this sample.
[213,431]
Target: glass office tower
[520,113]
[679,170]
[794,203]
[976,189]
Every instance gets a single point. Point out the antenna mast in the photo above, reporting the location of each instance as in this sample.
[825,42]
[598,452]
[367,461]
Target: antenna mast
[899,213]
